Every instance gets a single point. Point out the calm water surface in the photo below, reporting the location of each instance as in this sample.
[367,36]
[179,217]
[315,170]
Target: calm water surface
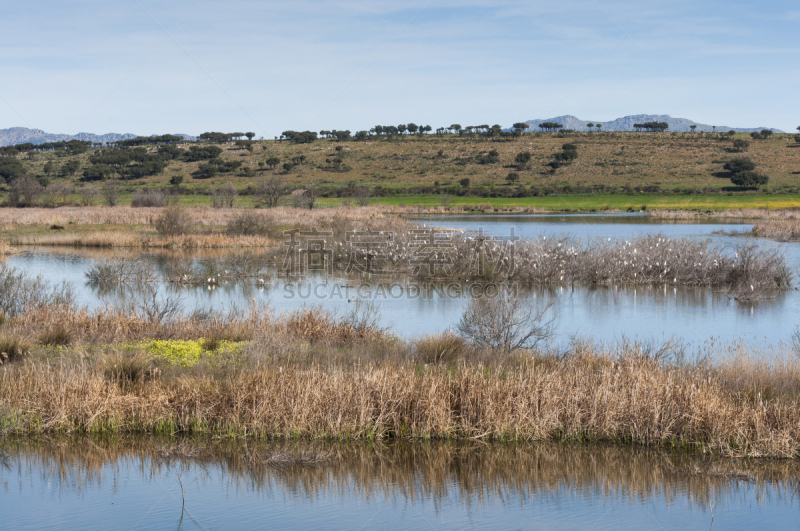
[135,484]
[691,314]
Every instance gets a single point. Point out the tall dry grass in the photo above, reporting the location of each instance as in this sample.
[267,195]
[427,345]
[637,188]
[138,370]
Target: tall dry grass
[202,216]
[300,376]
[734,213]
[782,230]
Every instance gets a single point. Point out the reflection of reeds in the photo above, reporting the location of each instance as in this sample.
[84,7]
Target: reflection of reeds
[5,248]
[472,474]
[301,376]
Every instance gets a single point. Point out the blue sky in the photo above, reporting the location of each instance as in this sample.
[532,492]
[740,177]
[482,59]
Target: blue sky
[189,66]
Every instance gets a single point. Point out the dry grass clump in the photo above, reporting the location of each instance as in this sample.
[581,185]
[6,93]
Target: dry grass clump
[56,336]
[13,348]
[315,325]
[446,348]
[126,367]
[792,213]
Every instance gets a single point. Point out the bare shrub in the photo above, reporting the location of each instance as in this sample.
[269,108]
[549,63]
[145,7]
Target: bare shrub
[24,191]
[149,199]
[87,195]
[757,274]
[20,293]
[270,190]
[506,323]
[146,303]
[173,221]
[249,223]
[111,193]
[305,198]
[224,196]
[362,195]
[133,271]
[56,194]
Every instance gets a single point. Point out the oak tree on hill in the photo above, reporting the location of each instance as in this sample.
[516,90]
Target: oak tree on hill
[520,127]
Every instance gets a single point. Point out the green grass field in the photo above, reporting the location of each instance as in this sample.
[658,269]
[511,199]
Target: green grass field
[608,202]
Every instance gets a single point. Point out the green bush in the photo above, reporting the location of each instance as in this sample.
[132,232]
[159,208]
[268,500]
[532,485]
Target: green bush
[739,165]
[749,179]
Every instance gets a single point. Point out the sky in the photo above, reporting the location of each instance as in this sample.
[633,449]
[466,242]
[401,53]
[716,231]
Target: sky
[189,66]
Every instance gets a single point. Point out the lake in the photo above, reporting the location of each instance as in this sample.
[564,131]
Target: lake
[143,483]
[606,314]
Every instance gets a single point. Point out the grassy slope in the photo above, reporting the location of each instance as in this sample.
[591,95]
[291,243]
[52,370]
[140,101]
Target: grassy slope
[668,160]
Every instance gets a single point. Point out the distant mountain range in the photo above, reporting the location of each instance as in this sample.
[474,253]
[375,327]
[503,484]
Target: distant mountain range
[21,135]
[626,124]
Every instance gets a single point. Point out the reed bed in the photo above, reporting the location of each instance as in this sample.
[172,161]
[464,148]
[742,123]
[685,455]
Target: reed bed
[300,376]
[208,216]
[203,216]
[783,230]
[733,213]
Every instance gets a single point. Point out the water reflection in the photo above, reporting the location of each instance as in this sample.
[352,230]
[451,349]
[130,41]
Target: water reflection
[449,484]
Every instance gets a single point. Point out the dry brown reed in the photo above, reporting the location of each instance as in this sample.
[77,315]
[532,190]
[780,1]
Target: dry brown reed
[783,230]
[792,213]
[444,348]
[316,325]
[203,216]
[299,376]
